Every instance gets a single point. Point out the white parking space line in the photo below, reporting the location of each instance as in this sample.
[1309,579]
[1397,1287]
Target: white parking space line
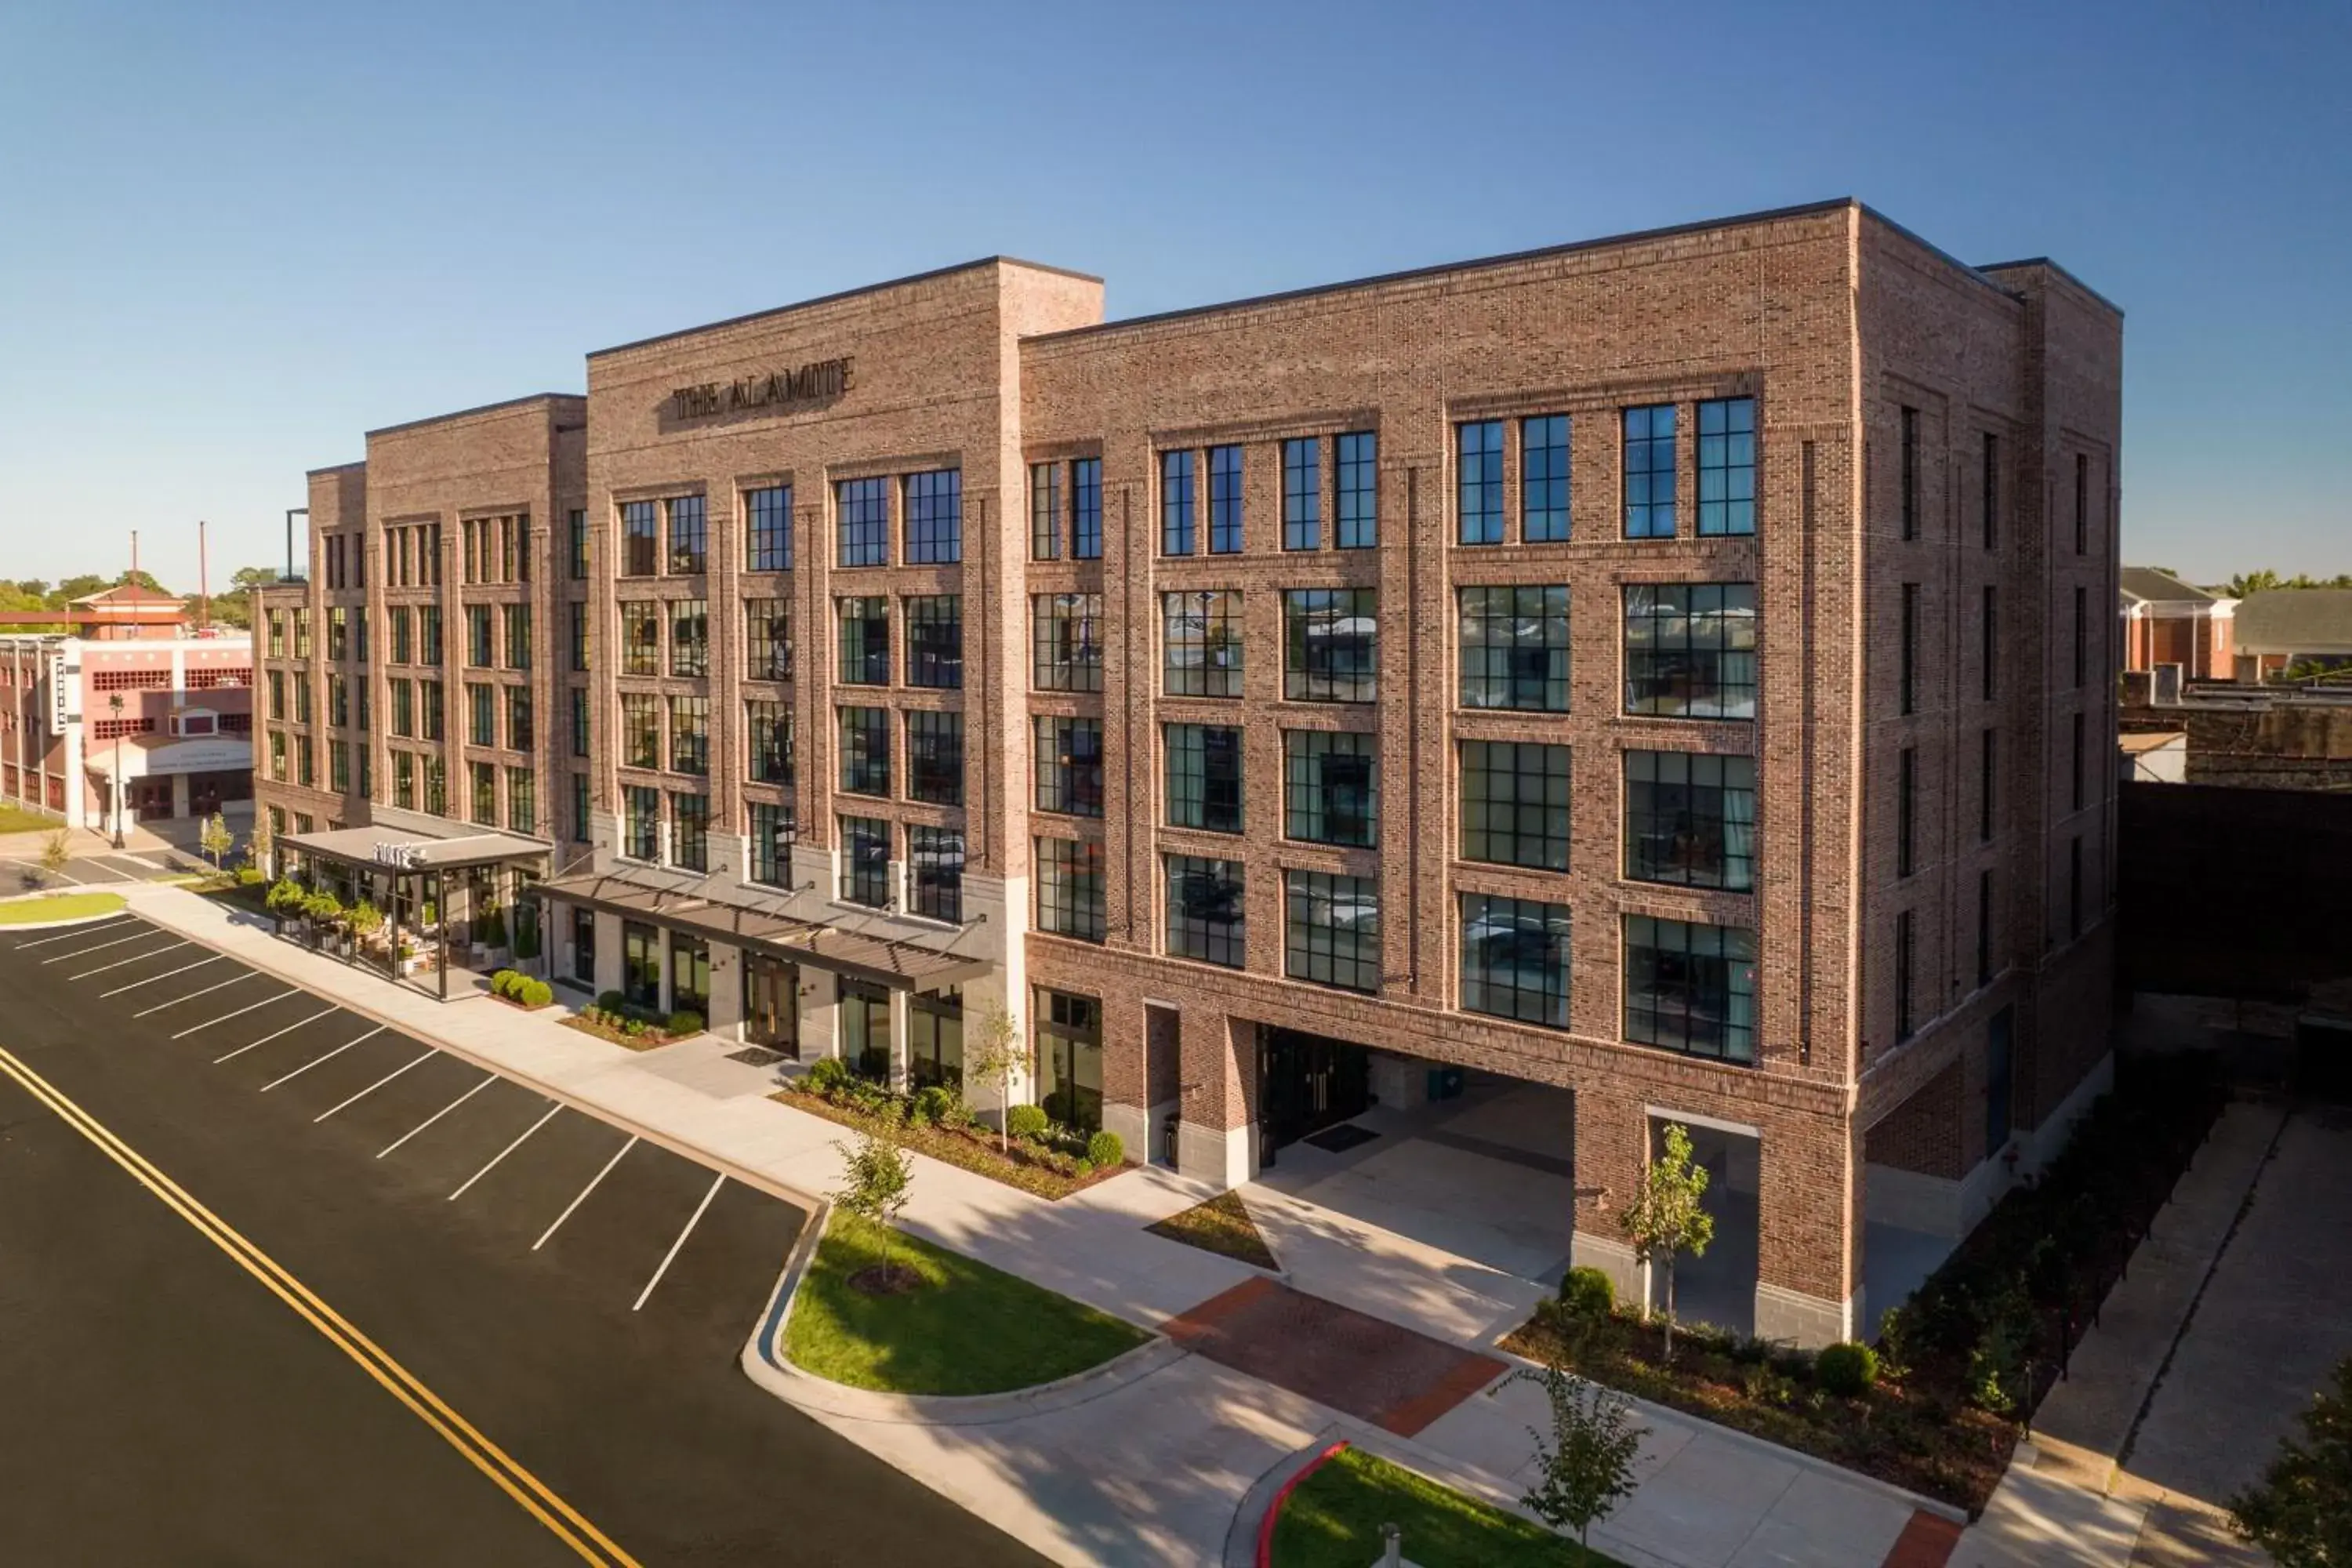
[267,1039]
[134,958]
[79,932]
[692,1220]
[241,1012]
[330,1055]
[167,974]
[373,1087]
[98,947]
[437,1115]
[505,1151]
[236,980]
[143,866]
[70,876]
[583,1198]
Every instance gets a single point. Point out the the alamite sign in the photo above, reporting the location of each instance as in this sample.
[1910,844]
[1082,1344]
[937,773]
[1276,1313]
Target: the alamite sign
[817,380]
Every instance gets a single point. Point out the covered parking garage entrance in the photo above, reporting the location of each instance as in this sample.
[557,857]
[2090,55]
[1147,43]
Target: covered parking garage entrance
[1307,1085]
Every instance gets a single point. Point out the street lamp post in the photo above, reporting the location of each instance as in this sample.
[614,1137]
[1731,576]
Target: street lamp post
[114,706]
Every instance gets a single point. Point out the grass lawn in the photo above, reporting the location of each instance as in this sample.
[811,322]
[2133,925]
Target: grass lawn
[1222,1226]
[968,1329]
[1333,1521]
[16,820]
[59,907]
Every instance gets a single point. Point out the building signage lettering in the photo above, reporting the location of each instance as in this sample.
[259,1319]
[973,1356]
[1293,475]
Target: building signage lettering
[65,693]
[405,856]
[817,380]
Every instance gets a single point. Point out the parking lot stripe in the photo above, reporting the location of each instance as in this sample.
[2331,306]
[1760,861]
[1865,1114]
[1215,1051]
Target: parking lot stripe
[591,1187]
[240,1012]
[669,1257]
[134,958]
[267,1039]
[167,974]
[70,876]
[437,1115]
[192,995]
[373,1087]
[505,1151]
[330,1055]
[93,929]
[98,947]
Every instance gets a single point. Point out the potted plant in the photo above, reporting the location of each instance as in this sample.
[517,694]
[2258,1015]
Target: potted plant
[490,938]
[324,912]
[284,901]
[366,922]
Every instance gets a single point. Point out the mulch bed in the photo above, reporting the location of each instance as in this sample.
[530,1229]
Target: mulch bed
[1222,1226]
[974,1150]
[650,1040]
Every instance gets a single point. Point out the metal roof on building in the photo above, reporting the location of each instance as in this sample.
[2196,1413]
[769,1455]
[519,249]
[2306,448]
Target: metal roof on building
[2158,587]
[2295,620]
[395,850]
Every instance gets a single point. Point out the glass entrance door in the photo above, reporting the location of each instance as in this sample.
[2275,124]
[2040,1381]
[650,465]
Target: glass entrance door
[771,1004]
[1309,1083]
[584,944]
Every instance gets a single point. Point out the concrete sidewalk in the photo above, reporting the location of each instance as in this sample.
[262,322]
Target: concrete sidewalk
[1153,1470]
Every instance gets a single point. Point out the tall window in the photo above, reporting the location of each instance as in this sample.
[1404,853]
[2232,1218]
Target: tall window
[1478,454]
[1690,819]
[864,641]
[428,634]
[1907,811]
[1302,494]
[1543,478]
[1515,804]
[518,637]
[1331,930]
[1905,956]
[862,521]
[1514,643]
[339,633]
[580,706]
[2081,503]
[519,719]
[339,767]
[1069,765]
[768,640]
[1331,644]
[582,817]
[866,751]
[2074,887]
[1650,471]
[1358,472]
[2078,762]
[2081,624]
[522,800]
[482,714]
[339,701]
[768,726]
[935,872]
[1986,788]
[1907,669]
[429,693]
[935,758]
[1910,476]
[1204,777]
[1086,509]
[400,643]
[935,517]
[767,529]
[1690,650]
[1065,642]
[1045,511]
[772,837]
[1330,785]
[404,707]
[577,637]
[404,780]
[1069,1058]
[935,640]
[1176,503]
[641,730]
[640,639]
[1201,643]
[485,781]
[1206,909]
[1515,959]
[1691,988]
[862,1021]
[576,545]
[1989,489]
[478,637]
[436,786]
[1984,927]
[1070,889]
[690,734]
[640,542]
[1727,466]
[1224,500]
[866,861]
[1989,639]
[690,536]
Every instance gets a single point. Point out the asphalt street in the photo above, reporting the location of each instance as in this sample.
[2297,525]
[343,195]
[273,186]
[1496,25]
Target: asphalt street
[281,1285]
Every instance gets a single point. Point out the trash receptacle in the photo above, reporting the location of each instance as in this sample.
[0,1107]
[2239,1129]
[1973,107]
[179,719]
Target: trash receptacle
[1445,1083]
[1167,1140]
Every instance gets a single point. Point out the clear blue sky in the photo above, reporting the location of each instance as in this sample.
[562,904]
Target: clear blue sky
[234,236]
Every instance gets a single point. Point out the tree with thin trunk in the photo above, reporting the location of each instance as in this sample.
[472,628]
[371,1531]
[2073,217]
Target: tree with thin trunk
[262,844]
[1666,1219]
[214,838]
[1586,1464]
[55,850]
[999,1056]
[877,1179]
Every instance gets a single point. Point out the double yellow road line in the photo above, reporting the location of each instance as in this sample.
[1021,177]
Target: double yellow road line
[560,1518]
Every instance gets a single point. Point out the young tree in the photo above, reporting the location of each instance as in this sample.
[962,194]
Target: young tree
[998,1055]
[1586,1465]
[2301,1511]
[263,844]
[55,850]
[1666,1220]
[877,1179]
[214,838]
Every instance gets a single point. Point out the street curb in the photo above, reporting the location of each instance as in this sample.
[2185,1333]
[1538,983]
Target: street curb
[59,925]
[764,1362]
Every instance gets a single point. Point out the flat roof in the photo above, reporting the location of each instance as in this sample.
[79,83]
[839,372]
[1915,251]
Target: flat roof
[469,413]
[359,846]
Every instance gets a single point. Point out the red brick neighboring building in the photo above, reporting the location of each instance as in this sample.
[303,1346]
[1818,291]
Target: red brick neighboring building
[1672,670]
[2166,621]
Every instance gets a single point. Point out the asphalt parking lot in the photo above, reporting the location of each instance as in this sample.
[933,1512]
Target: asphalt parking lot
[576,1293]
[113,868]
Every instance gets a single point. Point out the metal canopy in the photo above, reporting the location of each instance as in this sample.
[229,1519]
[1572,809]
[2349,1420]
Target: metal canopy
[900,966]
[389,849]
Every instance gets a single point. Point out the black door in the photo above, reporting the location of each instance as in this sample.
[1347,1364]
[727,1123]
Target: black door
[1308,1082]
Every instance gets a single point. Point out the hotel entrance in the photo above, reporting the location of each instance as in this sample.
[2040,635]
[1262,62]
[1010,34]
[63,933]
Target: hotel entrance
[771,1004]
[1306,1083]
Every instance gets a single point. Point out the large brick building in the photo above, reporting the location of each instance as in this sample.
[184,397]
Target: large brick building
[1663,678]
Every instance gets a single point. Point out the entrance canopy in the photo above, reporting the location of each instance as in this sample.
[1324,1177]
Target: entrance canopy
[381,848]
[900,966]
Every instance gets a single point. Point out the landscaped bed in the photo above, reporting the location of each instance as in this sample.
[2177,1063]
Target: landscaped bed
[16,820]
[1222,1226]
[959,1327]
[613,1019]
[1037,1158]
[1333,1518]
[1966,1360]
[59,907]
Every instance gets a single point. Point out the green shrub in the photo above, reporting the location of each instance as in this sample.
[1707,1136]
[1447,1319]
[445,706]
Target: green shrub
[526,940]
[1847,1368]
[1587,1292]
[684,1022]
[1026,1122]
[932,1103]
[1105,1149]
[322,906]
[1082,1166]
[537,993]
[502,981]
[610,1002]
[493,932]
[285,897]
[247,876]
[824,1077]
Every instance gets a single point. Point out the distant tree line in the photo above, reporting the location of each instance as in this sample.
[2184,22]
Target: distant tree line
[2263,581]
[29,594]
